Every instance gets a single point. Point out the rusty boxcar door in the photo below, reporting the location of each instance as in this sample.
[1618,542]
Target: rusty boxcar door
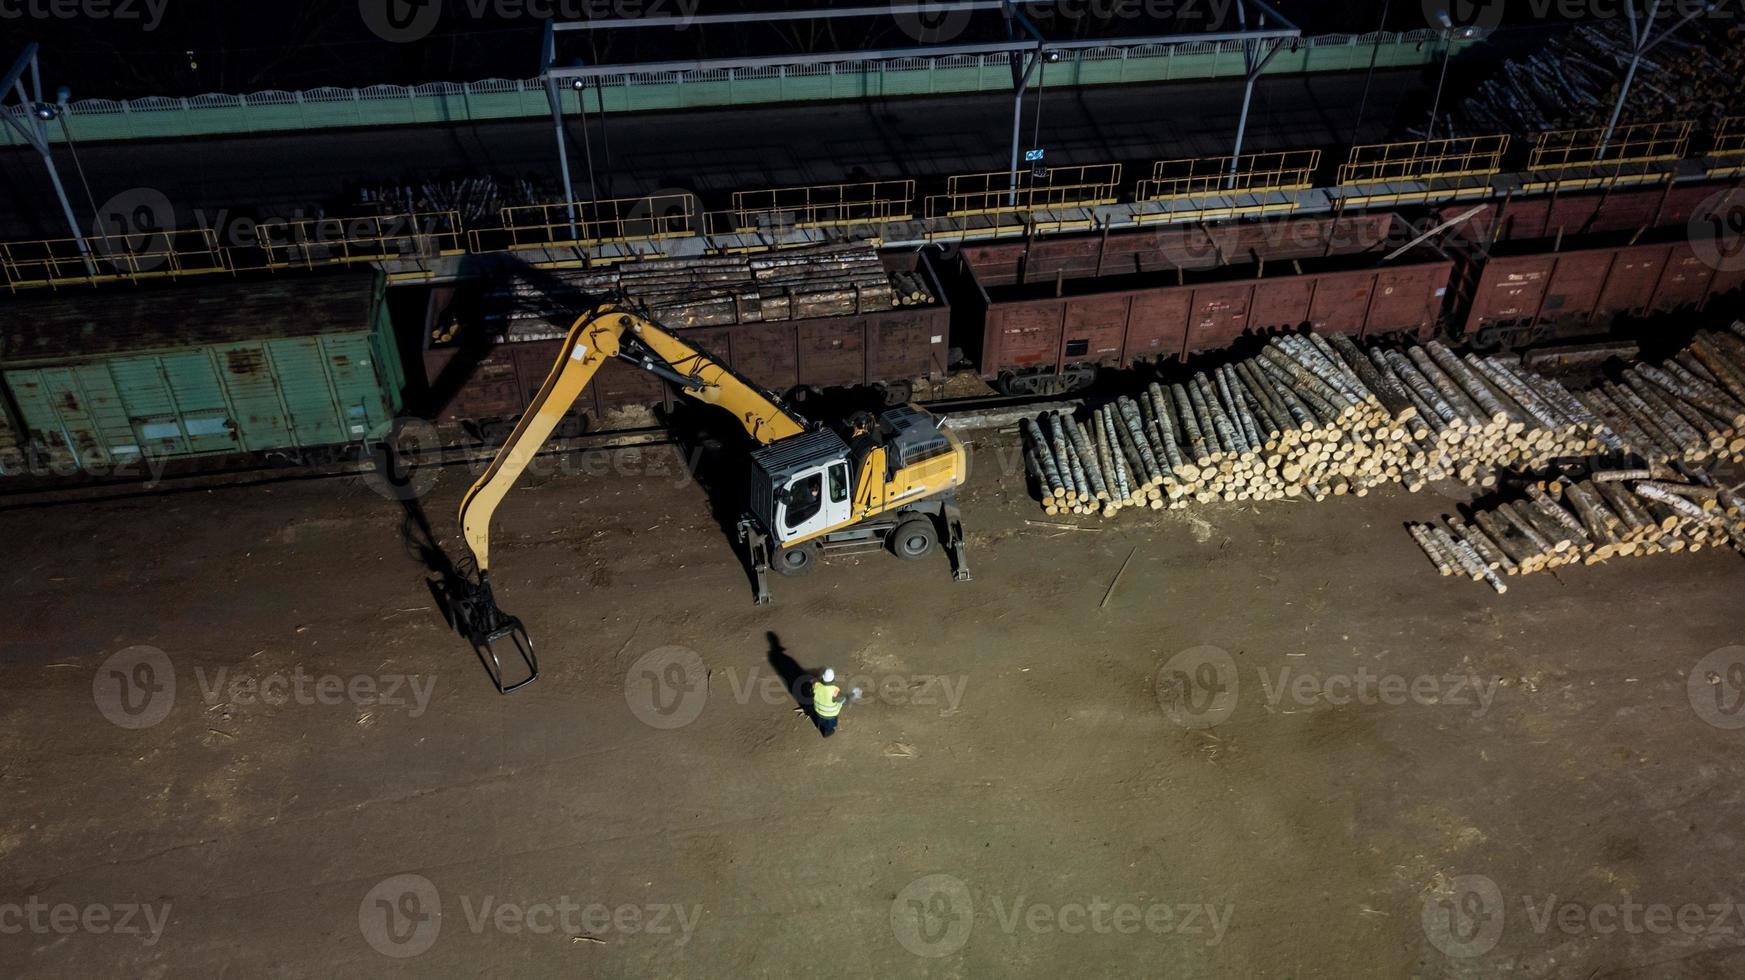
[1096,327]
[1158,324]
[1341,303]
[1026,336]
[1220,314]
[1630,287]
[1281,304]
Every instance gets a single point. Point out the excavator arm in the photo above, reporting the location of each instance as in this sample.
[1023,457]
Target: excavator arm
[597,337]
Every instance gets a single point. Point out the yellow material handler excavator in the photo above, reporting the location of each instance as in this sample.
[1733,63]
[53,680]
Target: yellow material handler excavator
[887,481]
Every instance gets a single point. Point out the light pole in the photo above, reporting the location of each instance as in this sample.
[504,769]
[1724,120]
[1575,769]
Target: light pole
[36,132]
[1447,51]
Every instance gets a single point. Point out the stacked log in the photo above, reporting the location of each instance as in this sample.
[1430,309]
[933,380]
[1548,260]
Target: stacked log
[1573,82]
[720,290]
[1610,514]
[1319,416]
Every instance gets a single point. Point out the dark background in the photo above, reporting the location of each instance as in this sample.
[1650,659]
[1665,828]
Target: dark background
[240,46]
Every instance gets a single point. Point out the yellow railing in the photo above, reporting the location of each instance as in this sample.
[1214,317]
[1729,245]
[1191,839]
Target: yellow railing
[342,241]
[1006,192]
[1249,173]
[584,223]
[819,206]
[112,258]
[1467,156]
[1729,137]
[1638,143]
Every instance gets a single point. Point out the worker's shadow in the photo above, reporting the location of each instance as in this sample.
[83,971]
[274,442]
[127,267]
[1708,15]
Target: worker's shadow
[798,680]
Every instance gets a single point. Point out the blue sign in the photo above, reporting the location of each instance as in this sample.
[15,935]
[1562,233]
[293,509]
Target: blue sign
[1031,156]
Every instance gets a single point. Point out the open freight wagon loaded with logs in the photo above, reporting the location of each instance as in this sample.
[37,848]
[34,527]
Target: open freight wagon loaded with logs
[800,321]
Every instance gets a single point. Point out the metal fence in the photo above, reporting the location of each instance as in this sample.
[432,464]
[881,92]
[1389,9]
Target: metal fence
[158,117]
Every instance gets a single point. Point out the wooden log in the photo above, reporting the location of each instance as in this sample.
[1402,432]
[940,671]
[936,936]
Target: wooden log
[1569,522]
[1385,388]
[1488,547]
[1469,383]
[1465,409]
[1056,485]
[1433,551]
[1087,457]
[1519,517]
[1674,502]
[1514,545]
[1141,444]
[1500,374]
[1196,443]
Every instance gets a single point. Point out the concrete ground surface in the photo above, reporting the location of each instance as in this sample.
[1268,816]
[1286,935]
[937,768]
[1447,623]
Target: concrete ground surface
[1375,773]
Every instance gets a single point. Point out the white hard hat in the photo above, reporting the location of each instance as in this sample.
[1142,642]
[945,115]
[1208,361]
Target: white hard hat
[829,675]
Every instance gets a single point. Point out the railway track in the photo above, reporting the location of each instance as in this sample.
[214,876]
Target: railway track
[402,477]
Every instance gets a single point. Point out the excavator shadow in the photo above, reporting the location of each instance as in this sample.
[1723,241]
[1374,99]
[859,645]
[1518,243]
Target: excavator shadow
[458,599]
[715,456]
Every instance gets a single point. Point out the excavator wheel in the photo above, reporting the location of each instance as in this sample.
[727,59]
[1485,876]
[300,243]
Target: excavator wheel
[796,561]
[914,538]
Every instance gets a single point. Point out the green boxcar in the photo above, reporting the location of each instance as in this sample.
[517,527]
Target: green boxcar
[104,379]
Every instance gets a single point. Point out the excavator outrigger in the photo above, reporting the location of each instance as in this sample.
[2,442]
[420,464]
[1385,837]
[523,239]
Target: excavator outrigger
[888,481]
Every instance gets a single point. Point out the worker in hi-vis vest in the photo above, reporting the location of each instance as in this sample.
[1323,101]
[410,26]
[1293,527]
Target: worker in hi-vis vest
[827,701]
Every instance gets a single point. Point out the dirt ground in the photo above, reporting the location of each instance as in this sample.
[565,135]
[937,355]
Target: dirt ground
[236,739]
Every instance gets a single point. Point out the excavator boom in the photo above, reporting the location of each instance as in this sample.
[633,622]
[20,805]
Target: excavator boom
[595,338]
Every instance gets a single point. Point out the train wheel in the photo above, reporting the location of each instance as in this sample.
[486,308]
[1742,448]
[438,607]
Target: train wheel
[1011,384]
[896,393]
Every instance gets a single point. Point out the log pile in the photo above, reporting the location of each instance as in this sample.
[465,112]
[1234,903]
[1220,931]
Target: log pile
[1309,416]
[1673,420]
[1573,82]
[708,291]
[1610,514]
